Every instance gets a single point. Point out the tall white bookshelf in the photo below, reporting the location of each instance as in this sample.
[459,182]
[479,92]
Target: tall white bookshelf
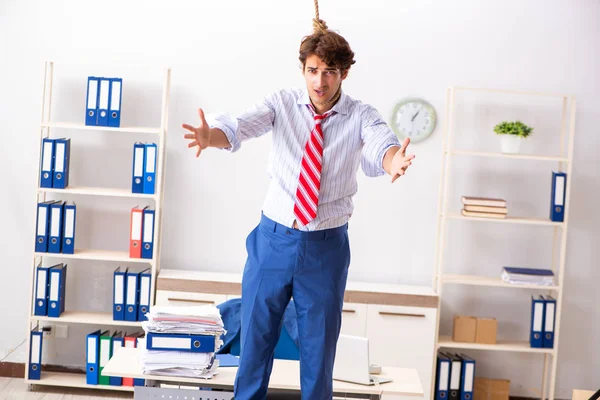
[447,217]
[52,128]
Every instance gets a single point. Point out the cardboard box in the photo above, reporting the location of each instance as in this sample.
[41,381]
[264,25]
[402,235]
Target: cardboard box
[465,328]
[486,330]
[491,389]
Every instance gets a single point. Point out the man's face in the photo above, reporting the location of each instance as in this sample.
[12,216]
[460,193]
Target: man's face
[322,81]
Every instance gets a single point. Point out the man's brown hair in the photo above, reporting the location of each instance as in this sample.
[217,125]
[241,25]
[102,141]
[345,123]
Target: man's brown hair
[329,46]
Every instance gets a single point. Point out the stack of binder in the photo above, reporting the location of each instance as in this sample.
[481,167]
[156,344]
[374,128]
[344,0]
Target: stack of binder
[528,276]
[182,341]
[55,160]
[55,230]
[131,294]
[144,168]
[455,376]
[141,233]
[543,319]
[103,103]
[50,290]
[101,346]
[483,207]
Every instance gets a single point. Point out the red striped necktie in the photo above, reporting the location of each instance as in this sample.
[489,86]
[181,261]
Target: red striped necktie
[309,182]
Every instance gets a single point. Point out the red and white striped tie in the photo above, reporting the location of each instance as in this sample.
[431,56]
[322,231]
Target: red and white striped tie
[309,182]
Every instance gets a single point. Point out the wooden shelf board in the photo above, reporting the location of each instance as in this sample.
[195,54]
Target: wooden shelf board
[509,156]
[83,127]
[68,379]
[86,317]
[96,191]
[99,255]
[504,345]
[476,280]
[509,220]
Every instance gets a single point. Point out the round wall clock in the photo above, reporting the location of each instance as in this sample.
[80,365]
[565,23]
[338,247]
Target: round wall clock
[413,118]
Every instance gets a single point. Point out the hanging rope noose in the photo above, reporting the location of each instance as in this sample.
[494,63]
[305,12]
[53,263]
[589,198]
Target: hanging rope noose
[319,26]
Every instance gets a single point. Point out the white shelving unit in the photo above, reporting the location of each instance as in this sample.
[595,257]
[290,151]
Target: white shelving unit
[47,127]
[440,278]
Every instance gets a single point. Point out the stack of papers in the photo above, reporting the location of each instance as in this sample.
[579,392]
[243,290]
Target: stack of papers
[528,276]
[171,321]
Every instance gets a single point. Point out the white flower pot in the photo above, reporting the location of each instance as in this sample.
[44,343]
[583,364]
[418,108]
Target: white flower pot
[511,143]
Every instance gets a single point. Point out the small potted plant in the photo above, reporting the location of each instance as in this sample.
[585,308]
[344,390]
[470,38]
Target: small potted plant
[512,134]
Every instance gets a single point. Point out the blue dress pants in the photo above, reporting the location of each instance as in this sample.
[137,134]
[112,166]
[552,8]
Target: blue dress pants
[310,266]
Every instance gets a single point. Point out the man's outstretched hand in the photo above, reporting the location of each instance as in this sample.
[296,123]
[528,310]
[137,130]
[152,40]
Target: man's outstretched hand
[401,161]
[200,136]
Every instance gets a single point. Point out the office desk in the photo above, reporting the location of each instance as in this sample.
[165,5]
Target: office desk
[285,376]
[579,394]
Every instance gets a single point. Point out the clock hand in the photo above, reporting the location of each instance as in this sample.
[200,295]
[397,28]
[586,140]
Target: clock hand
[415,116]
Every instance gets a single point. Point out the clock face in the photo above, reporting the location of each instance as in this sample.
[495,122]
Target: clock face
[414,119]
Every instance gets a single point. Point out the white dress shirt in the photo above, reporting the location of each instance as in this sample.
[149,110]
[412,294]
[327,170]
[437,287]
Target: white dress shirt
[355,133]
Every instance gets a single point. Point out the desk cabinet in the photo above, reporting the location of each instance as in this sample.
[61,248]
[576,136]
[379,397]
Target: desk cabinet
[400,321]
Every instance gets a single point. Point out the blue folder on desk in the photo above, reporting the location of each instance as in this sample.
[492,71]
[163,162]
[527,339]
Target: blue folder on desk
[180,342]
[228,360]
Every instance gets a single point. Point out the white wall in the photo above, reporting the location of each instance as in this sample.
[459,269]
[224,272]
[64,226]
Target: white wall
[227,55]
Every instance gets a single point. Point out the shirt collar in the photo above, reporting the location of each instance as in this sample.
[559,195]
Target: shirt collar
[341,107]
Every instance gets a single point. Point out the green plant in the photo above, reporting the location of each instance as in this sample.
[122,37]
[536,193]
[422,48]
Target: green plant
[513,128]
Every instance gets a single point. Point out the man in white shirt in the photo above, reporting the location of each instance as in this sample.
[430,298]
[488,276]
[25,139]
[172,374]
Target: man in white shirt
[300,247]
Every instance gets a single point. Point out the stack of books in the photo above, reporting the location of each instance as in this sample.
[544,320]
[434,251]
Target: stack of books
[182,341]
[483,207]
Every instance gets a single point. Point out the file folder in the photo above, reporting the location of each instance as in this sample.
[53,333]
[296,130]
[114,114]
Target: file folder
[442,377]
[537,322]
[140,342]
[103,99]
[105,355]
[56,219]
[70,213]
[92,351]
[135,238]
[119,291]
[129,341]
[180,342]
[62,156]
[150,168]
[117,344]
[467,377]
[148,234]
[144,303]
[56,292]
[139,157]
[47,167]
[43,225]
[455,377]
[114,117]
[35,354]
[132,295]
[91,116]
[41,291]
[557,202]
[549,321]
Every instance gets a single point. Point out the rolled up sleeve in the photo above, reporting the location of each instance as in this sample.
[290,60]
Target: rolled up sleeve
[377,138]
[253,123]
